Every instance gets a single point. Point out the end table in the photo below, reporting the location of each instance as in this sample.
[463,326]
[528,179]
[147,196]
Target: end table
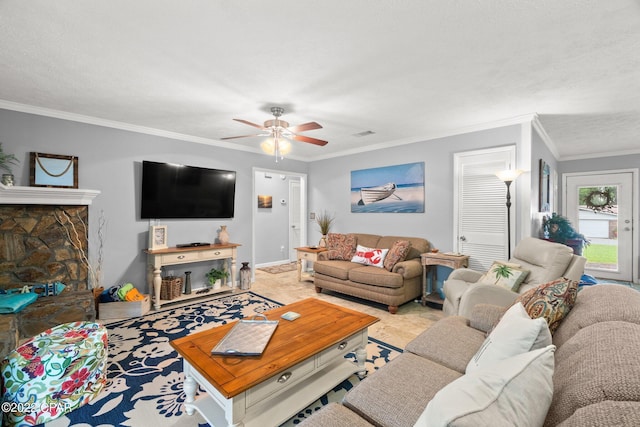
[307,253]
[434,259]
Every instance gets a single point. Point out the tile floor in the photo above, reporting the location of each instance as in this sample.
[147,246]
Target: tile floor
[395,329]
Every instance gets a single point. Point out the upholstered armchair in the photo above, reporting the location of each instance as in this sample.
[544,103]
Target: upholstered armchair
[545,261]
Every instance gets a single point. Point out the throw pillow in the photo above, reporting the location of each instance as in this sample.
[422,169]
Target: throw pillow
[512,392]
[370,256]
[514,334]
[509,276]
[551,301]
[341,246]
[397,253]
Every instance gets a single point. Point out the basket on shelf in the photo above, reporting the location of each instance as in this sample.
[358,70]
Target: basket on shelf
[171,287]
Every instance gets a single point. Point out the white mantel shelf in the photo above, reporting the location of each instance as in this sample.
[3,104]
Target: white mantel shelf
[16,195]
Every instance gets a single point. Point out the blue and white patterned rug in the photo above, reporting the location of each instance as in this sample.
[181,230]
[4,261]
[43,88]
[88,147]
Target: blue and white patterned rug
[144,387]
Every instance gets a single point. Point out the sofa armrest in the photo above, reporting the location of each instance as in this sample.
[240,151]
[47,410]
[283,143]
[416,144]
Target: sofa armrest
[466,275]
[485,294]
[408,269]
[323,256]
[485,316]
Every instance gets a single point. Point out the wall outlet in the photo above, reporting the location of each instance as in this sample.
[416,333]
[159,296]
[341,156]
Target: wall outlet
[282,248]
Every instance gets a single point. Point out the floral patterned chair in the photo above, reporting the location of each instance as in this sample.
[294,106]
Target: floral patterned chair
[54,373]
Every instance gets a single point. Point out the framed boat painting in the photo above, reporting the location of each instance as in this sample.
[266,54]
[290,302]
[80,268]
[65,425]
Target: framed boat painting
[397,189]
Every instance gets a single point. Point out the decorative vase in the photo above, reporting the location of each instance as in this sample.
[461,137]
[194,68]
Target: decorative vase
[7,179]
[217,284]
[187,282]
[223,235]
[323,241]
[245,276]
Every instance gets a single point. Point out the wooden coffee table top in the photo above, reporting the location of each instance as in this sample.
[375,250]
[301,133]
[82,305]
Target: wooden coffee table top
[320,326]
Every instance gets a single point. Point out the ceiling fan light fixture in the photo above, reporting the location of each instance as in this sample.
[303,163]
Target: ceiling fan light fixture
[276,146]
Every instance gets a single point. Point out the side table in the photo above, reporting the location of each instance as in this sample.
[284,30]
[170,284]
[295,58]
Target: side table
[430,259]
[307,253]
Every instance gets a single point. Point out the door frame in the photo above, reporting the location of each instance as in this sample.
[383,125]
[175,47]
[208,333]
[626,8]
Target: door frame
[254,206]
[635,206]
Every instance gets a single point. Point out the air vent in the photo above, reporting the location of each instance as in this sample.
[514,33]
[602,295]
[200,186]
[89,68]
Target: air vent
[364,133]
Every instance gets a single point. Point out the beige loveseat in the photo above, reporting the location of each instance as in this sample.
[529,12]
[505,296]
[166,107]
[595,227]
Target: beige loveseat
[545,261]
[596,381]
[393,288]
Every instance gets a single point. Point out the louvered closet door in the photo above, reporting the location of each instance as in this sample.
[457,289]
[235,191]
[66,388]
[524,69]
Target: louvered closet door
[481,215]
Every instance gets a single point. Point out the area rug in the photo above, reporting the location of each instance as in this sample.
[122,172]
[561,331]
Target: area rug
[145,378]
[280,268]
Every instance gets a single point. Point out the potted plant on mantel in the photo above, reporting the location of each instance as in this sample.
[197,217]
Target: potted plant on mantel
[215,276]
[6,160]
[324,221]
[558,229]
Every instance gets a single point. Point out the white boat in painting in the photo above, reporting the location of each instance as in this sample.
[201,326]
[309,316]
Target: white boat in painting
[375,194]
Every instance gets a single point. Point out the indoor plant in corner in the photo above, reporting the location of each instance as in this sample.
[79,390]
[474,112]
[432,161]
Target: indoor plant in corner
[215,276]
[558,229]
[324,221]
[6,160]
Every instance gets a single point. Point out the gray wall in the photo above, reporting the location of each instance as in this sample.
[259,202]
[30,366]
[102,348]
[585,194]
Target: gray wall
[329,184]
[110,161]
[539,150]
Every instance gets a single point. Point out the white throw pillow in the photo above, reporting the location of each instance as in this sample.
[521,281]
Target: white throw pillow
[370,256]
[515,333]
[512,392]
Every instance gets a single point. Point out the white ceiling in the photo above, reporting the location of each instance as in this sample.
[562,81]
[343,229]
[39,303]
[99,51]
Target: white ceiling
[408,70]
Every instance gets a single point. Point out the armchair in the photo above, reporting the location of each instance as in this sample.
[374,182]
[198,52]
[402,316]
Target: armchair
[546,261]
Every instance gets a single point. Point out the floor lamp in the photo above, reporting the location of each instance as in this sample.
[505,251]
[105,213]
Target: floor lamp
[508,176]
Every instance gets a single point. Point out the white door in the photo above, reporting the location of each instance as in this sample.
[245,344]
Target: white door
[480,222]
[600,206]
[295,226]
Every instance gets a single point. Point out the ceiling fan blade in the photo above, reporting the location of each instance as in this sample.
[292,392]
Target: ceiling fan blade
[249,123]
[309,140]
[242,136]
[305,127]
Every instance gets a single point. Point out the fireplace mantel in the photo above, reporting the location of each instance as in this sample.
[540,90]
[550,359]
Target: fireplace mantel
[16,195]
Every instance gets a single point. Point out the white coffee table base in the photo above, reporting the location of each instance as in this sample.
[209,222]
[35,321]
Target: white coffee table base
[276,400]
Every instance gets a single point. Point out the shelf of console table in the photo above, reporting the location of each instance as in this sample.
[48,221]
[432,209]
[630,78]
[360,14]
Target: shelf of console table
[159,258]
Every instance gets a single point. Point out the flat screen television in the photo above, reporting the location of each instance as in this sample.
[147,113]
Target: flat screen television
[178,191]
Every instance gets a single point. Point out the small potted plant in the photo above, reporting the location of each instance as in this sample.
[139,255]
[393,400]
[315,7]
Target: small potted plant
[6,160]
[324,221]
[558,229]
[215,276]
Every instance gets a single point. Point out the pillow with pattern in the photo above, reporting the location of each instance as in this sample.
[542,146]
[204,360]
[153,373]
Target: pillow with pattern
[552,301]
[506,275]
[397,253]
[341,246]
[370,256]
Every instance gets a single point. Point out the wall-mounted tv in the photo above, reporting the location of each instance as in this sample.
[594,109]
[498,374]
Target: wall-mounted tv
[178,191]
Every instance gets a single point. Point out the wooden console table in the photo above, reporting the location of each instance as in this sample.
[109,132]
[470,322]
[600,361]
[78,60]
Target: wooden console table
[172,256]
[434,259]
[308,254]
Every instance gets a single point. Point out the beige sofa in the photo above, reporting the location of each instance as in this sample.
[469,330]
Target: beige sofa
[545,260]
[596,381]
[392,288]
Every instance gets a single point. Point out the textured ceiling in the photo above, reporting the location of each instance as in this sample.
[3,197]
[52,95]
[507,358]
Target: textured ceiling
[408,70]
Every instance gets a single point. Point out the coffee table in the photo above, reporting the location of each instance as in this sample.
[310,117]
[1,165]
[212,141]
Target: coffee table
[303,360]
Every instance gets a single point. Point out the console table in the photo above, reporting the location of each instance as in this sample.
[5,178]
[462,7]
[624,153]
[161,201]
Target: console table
[172,256]
[308,254]
[430,259]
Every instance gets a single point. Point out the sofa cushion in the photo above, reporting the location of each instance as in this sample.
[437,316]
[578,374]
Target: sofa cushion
[514,334]
[512,392]
[397,253]
[341,246]
[607,413]
[597,364]
[599,303]
[370,240]
[506,275]
[334,415]
[552,300]
[375,276]
[396,394]
[546,261]
[449,342]
[418,244]
[335,268]
[370,256]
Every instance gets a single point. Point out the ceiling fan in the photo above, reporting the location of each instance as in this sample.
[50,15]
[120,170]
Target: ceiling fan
[280,131]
